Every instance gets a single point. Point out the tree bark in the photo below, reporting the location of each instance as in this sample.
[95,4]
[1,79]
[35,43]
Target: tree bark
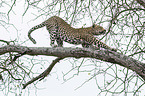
[103,54]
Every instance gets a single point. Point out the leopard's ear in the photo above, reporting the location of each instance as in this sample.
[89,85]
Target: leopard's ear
[94,25]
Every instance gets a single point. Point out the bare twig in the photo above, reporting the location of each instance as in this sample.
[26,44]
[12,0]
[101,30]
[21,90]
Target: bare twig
[7,42]
[11,8]
[45,73]
[9,73]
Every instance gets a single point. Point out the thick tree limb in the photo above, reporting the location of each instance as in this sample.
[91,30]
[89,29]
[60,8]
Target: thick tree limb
[104,55]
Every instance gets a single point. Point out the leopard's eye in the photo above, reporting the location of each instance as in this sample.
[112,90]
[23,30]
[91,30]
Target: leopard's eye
[93,26]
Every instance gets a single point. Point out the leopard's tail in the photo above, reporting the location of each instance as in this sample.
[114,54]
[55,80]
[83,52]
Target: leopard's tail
[34,28]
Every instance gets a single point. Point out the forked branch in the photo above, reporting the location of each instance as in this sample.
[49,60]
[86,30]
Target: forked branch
[104,55]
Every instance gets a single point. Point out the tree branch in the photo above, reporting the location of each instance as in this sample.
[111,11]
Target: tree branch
[104,55]
[45,73]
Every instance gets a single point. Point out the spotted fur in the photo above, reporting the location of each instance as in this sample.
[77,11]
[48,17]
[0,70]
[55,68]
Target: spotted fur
[60,31]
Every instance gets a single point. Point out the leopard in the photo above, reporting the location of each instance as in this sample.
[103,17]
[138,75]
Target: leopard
[60,31]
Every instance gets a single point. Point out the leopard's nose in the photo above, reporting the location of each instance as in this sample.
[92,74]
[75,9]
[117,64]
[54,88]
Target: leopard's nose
[103,32]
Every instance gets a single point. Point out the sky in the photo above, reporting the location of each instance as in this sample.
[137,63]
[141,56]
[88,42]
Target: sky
[52,85]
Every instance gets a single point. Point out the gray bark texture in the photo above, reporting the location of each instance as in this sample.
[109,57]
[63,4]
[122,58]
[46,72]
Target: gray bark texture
[104,55]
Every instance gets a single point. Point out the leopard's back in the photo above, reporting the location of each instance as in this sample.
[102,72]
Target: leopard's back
[62,31]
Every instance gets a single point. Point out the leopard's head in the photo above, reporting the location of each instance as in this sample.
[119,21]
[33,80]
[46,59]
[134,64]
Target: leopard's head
[97,30]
